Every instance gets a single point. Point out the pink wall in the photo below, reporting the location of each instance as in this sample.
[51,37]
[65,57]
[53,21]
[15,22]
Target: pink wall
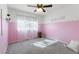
[41,28]
[4,37]
[14,35]
[64,31]
[4,27]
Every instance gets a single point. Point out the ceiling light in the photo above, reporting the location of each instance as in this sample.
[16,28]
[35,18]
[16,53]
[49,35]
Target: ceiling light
[39,9]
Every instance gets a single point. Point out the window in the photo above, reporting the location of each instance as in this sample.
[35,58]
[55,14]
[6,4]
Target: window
[24,25]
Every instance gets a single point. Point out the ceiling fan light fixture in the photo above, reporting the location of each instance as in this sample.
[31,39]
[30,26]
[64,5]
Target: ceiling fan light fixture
[39,9]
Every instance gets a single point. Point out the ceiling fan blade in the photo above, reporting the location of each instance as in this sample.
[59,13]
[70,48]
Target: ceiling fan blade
[44,10]
[31,6]
[45,6]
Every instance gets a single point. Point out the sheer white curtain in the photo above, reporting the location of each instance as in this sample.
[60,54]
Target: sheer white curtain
[25,24]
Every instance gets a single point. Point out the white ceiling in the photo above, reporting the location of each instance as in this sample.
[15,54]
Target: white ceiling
[23,7]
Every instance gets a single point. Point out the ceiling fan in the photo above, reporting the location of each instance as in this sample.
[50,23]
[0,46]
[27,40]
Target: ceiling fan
[40,7]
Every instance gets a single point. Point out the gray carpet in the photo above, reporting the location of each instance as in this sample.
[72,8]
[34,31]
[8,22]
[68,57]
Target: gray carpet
[26,47]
